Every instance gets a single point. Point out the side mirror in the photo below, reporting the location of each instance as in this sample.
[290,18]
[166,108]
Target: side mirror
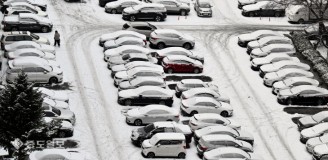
[158,145]
[45,72]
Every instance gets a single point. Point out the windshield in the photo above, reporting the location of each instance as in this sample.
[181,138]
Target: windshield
[135,81]
[55,110]
[34,36]
[319,116]
[205,5]
[149,128]
[153,140]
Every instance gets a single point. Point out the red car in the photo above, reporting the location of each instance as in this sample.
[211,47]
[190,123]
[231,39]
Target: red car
[181,64]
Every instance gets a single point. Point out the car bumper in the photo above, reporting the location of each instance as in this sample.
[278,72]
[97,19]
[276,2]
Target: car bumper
[204,14]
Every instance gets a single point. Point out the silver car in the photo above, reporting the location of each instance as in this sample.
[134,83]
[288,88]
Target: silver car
[58,113]
[174,7]
[162,38]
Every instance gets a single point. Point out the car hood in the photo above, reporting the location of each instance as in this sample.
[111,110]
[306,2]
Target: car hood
[245,135]
[188,37]
[285,92]
[50,56]
[271,76]
[246,37]
[66,114]
[205,9]
[126,93]
[258,52]
[254,44]
[259,61]
[146,144]
[268,68]
[125,85]
[279,85]
[308,133]
[312,142]
[54,63]
[122,75]
[118,68]
[66,125]
[226,106]
[234,124]
[44,14]
[320,149]
[110,44]
[62,104]
[43,40]
[306,121]
[48,48]
[117,60]
[133,112]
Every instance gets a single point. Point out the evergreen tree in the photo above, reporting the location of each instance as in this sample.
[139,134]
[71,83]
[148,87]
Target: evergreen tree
[20,112]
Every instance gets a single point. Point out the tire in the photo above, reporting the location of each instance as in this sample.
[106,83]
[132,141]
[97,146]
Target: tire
[114,11]
[44,29]
[132,18]
[160,45]
[162,102]
[187,46]
[170,70]
[151,155]
[53,80]
[193,113]
[158,18]
[183,13]
[14,29]
[61,134]
[128,102]
[137,122]
[182,155]
[196,70]
[224,114]
[251,14]
[301,21]
[277,14]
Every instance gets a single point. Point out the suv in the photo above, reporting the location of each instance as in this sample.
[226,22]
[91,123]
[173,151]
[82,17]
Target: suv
[203,8]
[162,38]
[153,11]
[11,37]
[174,7]
[144,28]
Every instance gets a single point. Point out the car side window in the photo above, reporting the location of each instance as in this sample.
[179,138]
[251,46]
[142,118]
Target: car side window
[164,142]
[175,142]
[9,38]
[219,122]
[19,38]
[28,38]
[169,129]
[29,69]
[39,69]
[49,114]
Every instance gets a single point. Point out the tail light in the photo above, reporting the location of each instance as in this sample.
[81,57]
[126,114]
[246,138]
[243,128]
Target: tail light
[203,148]
[153,38]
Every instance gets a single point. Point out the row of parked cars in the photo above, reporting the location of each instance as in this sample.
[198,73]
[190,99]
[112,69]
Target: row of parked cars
[261,8]
[273,55]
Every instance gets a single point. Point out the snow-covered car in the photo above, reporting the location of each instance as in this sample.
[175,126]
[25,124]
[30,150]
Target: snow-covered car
[312,120]
[134,64]
[18,10]
[174,7]
[40,3]
[58,154]
[142,81]
[204,92]
[244,39]
[138,72]
[181,64]
[30,52]
[273,49]
[54,103]
[195,105]
[242,3]
[146,132]
[314,131]
[160,54]
[122,50]
[315,141]
[130,57]
[29,44]
[162,38]
[229,153]
[118,6]
[280,75]
[210,142]
[225,130]
[124,41]
[24,5]
[150,114]
[203,8]
[56,95]
[266,41]
[211,119]
[292,82]
[66,129]
[144,28]
[276,66]
[256,63]
[187,84]
[320,152]
[146,95]
[119,34]
[31,61]
[264,9]
[303,95]
[59,113]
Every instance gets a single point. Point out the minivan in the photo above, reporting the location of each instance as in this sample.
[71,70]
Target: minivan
[165,145]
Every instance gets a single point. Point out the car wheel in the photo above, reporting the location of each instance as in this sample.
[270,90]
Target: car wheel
[301,21]
[128,102]
[114,11]
[151,155]
[187,46]
[277,14]
[193,113]
[251,14]
[61,134]
[14,29]
[183,12]
[53,80]
[160,45]
[132,18]
[158,18]
[170,70]
[196,70]
[224,114]
[138,122]
[320,102]
[44,29]
[181,155]
[162,102]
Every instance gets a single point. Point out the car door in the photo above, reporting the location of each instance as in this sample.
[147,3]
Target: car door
[30,24]
[31,74]
[162,148]
[144,13]
[152,116]
[18,38]
[42,75]
[175,147]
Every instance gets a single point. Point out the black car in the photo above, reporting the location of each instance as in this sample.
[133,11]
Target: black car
[148,11]
[146,95]
[264,9]
[102,3]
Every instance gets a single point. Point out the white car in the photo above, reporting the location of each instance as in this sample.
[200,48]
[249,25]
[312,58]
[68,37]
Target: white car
[266,41]
[312,142]
[150,114]
[162,38]
[187,84]
[271,58]
[18,10]
[273,49]
[118,6]
[58,154]
[40,3]
[56,95]
[315,131]
[293,81]
[130,57]
[118,34]
[29,44]
[204,92]
[31,61]
[160,54]
[124,41]
[229,153]
[244,39]
[320,151]
[122,50]
[276,66]
[134,64]
[138,72]
[210,119]
[54,103]
[142,81]
[30,52]
[197,105]
[242,3]
[24,5]
[280,75]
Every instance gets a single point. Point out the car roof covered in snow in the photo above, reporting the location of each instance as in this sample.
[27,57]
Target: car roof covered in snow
[192,81]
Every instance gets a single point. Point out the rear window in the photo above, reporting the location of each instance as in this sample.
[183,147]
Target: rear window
[126,26]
